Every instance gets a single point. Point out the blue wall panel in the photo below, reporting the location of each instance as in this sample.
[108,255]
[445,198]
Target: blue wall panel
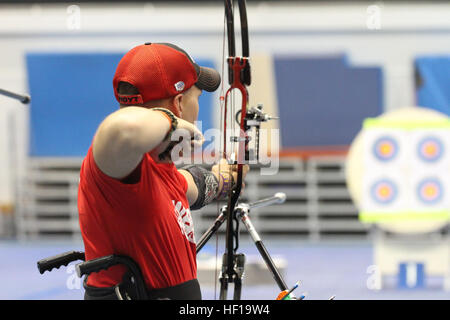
[322,101]
[434,90]
[71,94]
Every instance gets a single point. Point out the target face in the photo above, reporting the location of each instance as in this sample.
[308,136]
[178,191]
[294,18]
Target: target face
[430,191]
[430,149]
[385,148]
[384,191]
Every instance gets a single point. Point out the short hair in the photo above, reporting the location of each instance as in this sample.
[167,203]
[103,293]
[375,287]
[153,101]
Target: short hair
[126,88]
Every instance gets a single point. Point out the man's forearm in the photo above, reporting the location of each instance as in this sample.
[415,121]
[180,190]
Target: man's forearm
[192,191]
[203,186]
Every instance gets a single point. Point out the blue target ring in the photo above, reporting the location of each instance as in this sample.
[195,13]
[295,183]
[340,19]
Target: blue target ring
[384,191]
[385,148]
[430,191]
[430,149]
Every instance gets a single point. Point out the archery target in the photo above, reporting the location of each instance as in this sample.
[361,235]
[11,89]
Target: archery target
[430,149]
[385,148]
[398,170]
[384,191]
[429,191]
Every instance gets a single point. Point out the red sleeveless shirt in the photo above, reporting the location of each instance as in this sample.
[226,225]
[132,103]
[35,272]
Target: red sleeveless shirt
[149,221]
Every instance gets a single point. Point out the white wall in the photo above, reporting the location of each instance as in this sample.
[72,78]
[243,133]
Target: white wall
[390,36]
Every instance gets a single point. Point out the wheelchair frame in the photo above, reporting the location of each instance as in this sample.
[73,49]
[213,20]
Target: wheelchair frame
[95,265]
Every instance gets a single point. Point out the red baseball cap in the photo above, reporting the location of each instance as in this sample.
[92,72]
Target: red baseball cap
[161,70]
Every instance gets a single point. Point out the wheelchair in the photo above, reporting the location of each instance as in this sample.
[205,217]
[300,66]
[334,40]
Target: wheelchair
[132,286]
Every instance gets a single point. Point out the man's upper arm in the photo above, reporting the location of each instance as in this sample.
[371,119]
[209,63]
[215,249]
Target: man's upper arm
[113,150]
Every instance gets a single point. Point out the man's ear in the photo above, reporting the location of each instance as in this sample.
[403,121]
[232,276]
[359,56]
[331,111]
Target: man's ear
[178,105]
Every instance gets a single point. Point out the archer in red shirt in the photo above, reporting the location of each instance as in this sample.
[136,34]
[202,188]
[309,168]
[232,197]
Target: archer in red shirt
[132,200]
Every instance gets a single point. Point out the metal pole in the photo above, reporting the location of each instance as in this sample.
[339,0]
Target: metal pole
[208,234]
[25,99]
[279,197]
[242,214]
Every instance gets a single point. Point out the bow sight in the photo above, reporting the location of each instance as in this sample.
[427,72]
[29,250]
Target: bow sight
[254,117]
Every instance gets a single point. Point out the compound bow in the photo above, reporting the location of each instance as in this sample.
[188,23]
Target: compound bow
[239,78]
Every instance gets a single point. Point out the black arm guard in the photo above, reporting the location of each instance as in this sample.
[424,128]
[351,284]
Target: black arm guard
[207,185]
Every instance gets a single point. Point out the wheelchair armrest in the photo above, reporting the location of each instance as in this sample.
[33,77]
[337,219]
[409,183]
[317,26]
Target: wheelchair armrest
[59,260]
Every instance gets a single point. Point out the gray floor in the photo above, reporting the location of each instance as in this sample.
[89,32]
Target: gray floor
[324,269]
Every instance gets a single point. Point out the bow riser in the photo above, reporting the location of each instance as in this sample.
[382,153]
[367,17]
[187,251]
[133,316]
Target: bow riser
[237,65]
